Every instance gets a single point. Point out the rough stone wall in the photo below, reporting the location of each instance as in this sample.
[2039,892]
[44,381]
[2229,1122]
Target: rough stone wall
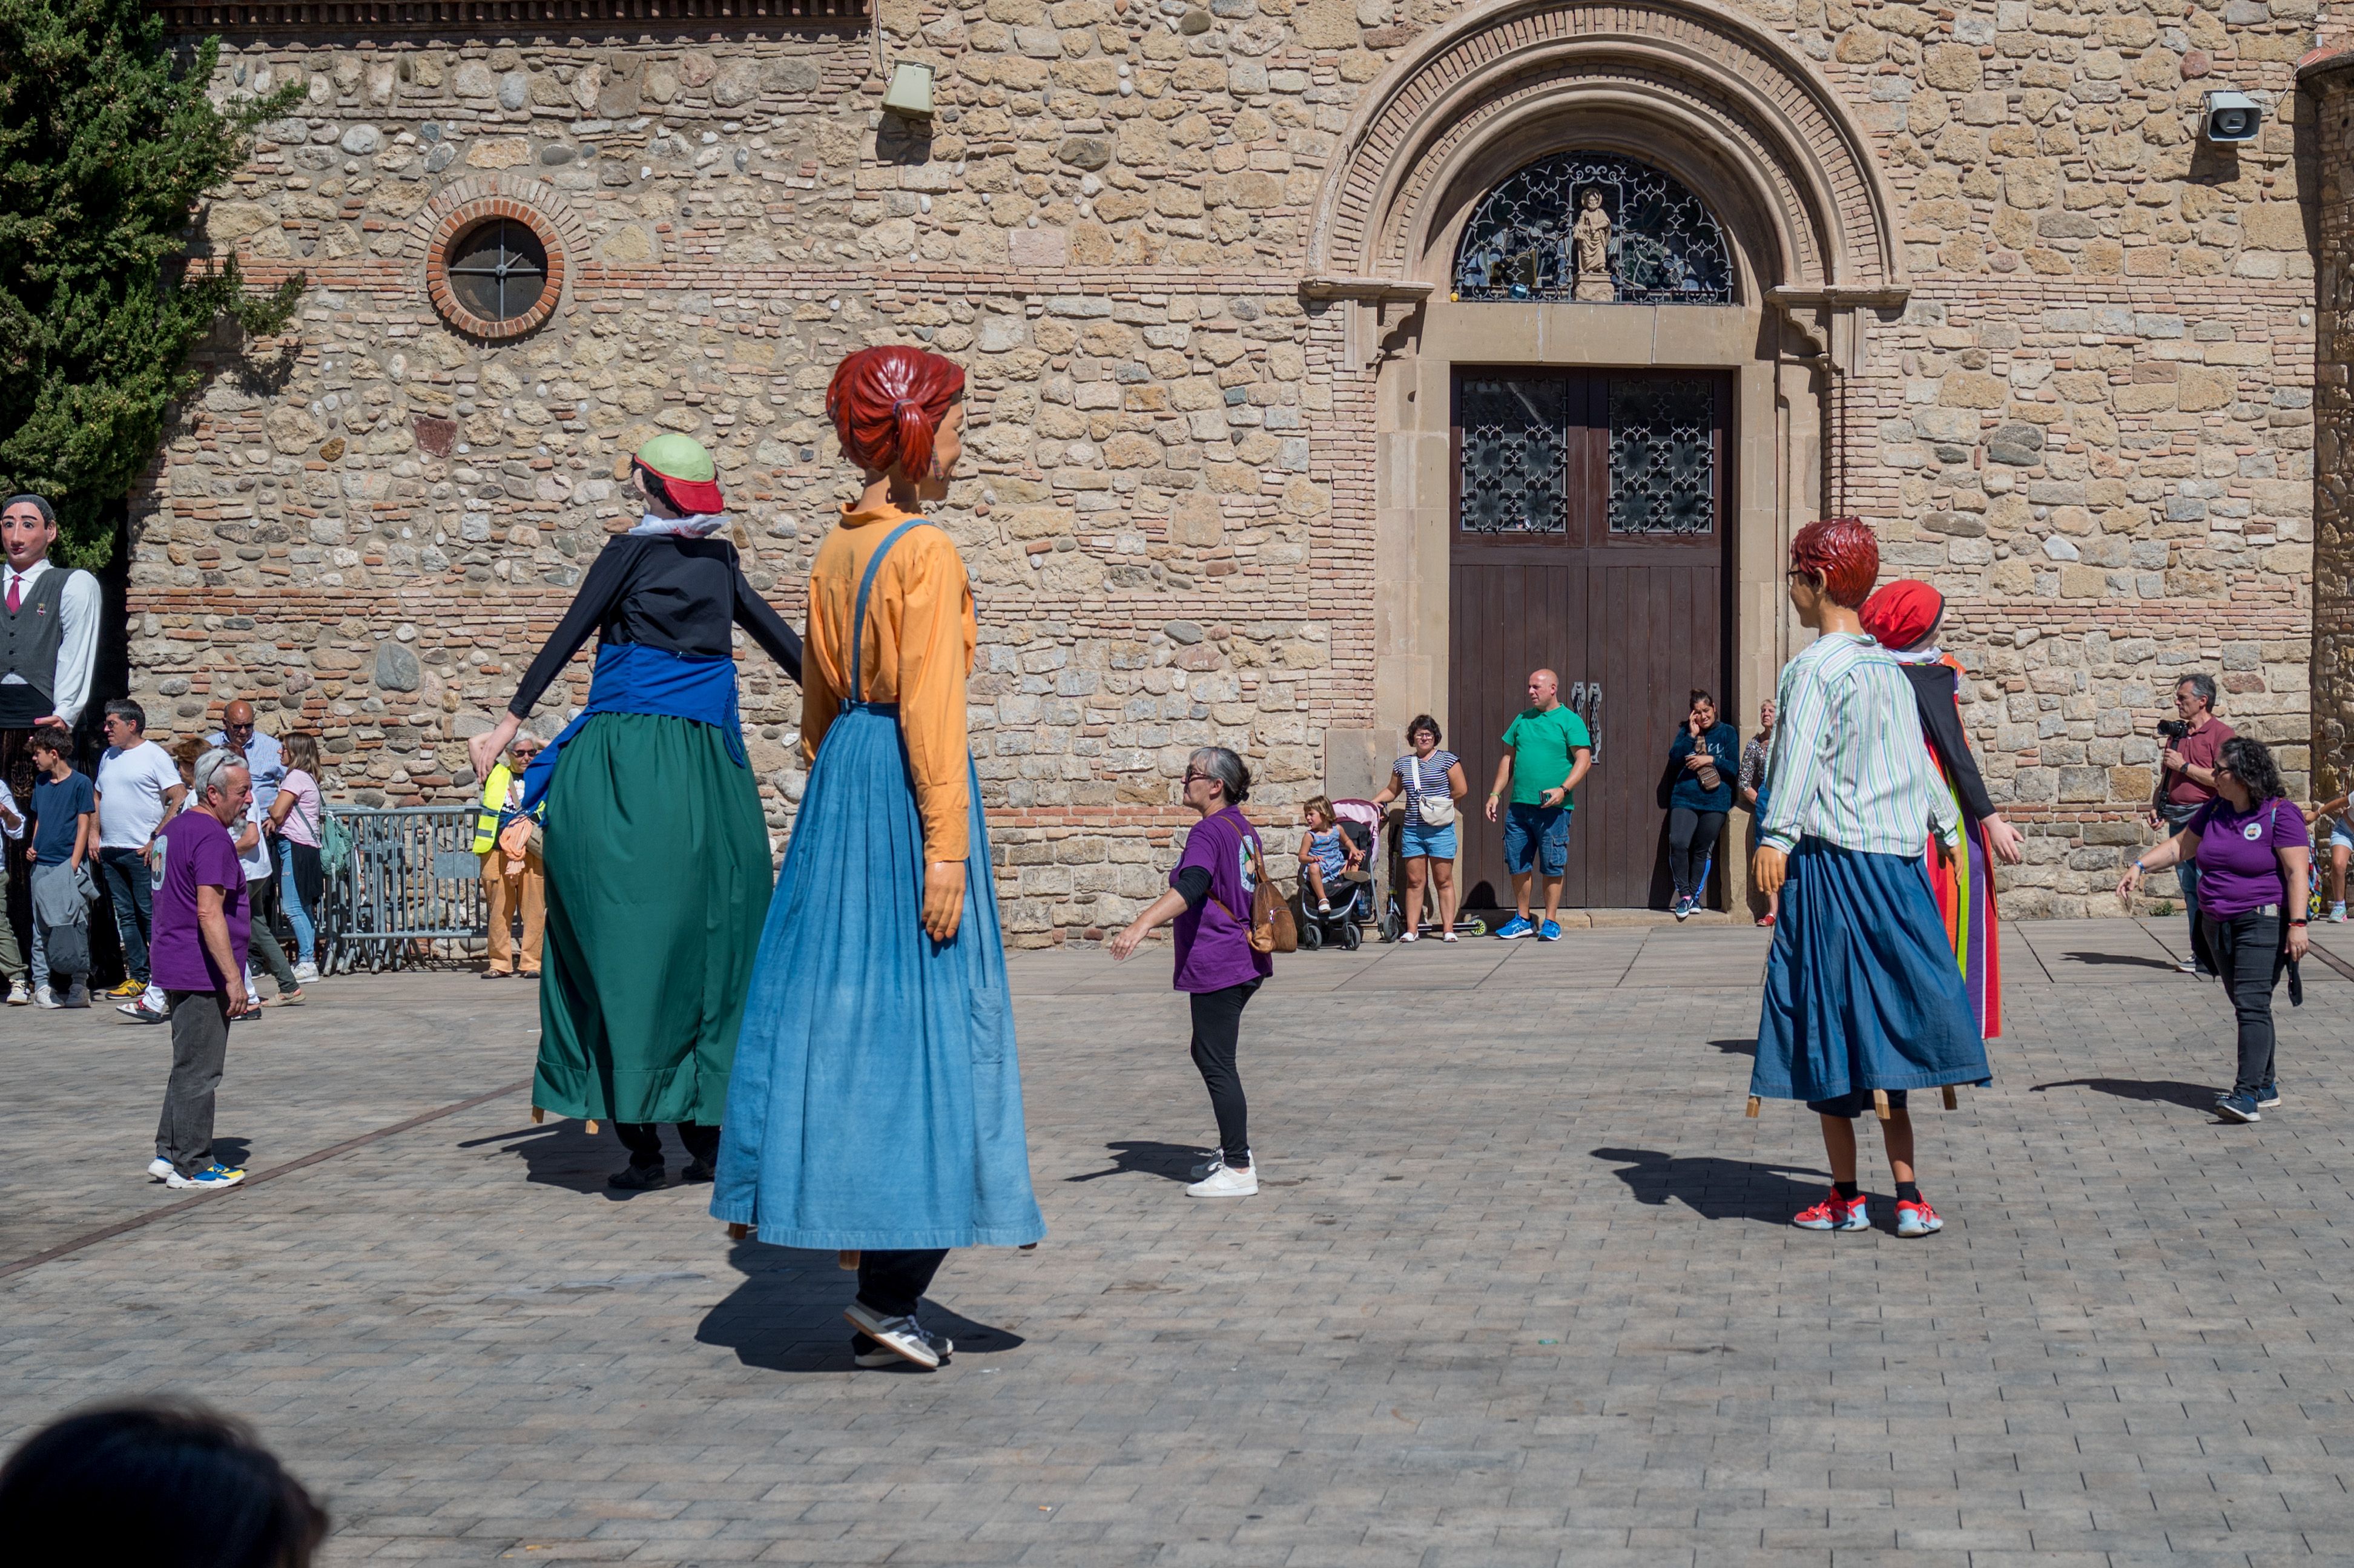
[2092,426]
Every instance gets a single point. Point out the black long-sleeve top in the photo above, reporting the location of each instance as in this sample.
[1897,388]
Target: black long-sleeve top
[666,591]
[1933,688]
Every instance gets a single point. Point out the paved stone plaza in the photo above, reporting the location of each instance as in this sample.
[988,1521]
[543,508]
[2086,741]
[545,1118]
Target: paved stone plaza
[1521,1287]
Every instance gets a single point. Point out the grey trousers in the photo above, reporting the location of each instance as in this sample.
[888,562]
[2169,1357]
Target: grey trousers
[12,958]
[199,1049]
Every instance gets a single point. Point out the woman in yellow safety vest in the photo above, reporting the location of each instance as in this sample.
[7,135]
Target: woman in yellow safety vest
[511,879]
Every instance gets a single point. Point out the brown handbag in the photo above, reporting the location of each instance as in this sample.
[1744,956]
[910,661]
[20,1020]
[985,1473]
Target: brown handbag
[1272,927]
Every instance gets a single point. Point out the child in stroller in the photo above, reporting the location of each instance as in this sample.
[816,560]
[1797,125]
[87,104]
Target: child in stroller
[1336,856]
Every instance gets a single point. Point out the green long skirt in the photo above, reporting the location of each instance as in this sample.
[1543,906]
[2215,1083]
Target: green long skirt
[658,883]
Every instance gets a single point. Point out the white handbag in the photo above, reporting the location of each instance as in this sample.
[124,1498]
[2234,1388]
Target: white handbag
[1437,811]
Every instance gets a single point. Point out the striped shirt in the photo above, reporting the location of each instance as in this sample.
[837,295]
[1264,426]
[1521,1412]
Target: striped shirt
[1434,776]
[1849,764]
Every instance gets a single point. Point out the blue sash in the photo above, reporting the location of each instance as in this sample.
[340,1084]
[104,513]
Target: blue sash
[633,678]
[858,622]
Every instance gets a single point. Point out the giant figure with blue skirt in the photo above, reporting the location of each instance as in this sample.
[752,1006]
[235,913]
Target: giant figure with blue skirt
[1863,999]
[656,849]
[876,1108]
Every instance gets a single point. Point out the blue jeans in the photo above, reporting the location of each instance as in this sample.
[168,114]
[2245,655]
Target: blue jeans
[2187,874]
[1536,838]
[131,888]
[306,935]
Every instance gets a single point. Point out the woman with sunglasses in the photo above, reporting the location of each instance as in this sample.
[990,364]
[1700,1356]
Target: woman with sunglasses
[657,852]
[2253,853]
[1209,898]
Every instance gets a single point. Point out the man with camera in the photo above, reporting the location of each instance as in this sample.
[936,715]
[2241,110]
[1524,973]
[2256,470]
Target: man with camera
[2192,741]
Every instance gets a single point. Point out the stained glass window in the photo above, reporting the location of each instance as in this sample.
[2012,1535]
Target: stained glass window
[1533,237]
[1512,477]
[1662,456]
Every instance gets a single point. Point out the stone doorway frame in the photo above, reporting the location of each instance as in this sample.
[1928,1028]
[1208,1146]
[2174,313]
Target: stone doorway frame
[1690,87]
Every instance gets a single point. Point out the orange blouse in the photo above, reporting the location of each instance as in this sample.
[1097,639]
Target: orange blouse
[921,635]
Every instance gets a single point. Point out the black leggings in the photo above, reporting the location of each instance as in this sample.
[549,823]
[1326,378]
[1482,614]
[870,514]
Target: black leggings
[893,1283]
[1691,835]
[644,1140]
[1218,1025]
[2247,949]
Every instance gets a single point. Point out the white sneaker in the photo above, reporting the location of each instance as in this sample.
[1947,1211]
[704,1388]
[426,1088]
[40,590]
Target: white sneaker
[79,996]
[1324,908]
[19,995]
[1217,1161]
[305,974]
[902,1337]
[41,998]
[1447,936]
[1409,936]
[1225,1182]
[2337,914]
[161,1168]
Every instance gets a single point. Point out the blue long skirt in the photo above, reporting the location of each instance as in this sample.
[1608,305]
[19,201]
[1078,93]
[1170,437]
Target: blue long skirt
[876,1101]
[1861,990]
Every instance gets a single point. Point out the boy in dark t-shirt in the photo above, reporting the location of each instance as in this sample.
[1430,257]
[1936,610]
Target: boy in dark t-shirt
[64,835]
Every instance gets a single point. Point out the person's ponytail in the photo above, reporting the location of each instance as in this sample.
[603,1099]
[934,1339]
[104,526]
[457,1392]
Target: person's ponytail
[915,438]
[886,404]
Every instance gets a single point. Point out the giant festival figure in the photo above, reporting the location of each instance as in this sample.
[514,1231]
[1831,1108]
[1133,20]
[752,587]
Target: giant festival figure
[877,1103]
[1863,999]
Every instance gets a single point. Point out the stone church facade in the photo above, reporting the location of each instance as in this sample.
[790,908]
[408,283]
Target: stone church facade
[1297,406]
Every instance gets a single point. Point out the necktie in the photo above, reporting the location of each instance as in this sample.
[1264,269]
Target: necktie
[15,584]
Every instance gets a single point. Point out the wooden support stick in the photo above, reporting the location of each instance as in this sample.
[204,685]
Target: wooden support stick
[592,1127]
[1753,1106]
[736,1231]
[1953,1100]
[847,1260]
[1879,1103]
[537,1116]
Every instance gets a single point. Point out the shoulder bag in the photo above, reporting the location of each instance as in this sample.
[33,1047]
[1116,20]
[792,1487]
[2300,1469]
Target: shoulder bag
[1434,811]
[1272,928]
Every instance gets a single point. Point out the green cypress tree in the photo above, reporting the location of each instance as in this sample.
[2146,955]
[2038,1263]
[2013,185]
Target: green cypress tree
[108,141]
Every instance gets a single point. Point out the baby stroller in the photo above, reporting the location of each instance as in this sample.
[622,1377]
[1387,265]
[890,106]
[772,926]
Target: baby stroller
[1352,901]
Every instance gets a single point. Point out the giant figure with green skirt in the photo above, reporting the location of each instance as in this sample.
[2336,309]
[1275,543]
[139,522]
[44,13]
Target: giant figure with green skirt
[657,854]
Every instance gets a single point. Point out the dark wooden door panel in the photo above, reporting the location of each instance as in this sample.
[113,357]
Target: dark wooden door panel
[1632,621]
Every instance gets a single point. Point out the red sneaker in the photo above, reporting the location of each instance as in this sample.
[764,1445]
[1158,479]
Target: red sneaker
[1917,1219]
[1837,1213]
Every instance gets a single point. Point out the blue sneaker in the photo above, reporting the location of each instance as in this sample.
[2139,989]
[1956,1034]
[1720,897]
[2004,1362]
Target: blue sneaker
[2269,1095]
[211,1177]
[1513,927]
[2238,1106]
[1551,932]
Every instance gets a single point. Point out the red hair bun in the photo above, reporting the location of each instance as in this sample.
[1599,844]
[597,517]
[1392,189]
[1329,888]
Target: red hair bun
[1843,552]
[886,402]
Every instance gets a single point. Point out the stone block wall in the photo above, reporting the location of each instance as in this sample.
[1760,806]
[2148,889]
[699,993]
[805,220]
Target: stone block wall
[2092,425]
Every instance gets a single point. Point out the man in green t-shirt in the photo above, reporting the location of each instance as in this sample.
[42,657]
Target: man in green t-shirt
[1546,752]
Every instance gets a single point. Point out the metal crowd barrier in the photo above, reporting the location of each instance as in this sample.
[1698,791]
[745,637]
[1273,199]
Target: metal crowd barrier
[410,888]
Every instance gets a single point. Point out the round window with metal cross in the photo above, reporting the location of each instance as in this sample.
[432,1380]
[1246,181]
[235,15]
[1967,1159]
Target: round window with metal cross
[495,270]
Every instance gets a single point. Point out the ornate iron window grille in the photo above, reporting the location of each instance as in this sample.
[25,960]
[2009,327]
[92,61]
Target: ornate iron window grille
[1662,456]
[1664,248]
[501,270]
[1513,476]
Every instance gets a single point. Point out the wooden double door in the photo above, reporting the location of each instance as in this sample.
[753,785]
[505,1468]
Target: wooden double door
[1591,536]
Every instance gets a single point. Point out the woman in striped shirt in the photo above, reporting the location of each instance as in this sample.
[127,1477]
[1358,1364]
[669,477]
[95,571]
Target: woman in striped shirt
[1431,781]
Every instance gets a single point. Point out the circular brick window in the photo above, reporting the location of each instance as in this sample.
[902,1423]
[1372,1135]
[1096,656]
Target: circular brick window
[496,269]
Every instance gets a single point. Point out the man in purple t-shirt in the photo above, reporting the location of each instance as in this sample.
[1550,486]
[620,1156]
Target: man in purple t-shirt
[200,926]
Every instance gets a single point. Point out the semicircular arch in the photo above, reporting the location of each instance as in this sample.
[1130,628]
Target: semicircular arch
[1686,84]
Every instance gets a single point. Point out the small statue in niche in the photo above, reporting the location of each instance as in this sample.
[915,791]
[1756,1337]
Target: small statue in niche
[1591,238]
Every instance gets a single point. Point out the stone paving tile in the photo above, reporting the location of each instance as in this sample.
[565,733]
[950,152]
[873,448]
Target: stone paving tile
[1520,1288]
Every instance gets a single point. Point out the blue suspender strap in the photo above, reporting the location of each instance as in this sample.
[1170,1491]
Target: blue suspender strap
[858,619]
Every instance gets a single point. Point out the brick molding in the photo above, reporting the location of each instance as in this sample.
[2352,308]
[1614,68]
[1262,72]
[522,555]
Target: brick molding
[465,204]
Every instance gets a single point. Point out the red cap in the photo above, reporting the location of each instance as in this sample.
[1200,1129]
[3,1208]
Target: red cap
[1903,613]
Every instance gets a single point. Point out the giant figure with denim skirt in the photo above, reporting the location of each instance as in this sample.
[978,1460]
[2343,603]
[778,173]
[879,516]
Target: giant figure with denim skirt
[1863,999]
[877,1103]
[657,854]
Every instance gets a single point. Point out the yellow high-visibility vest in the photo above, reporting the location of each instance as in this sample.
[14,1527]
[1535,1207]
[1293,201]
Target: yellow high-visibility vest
[495,801]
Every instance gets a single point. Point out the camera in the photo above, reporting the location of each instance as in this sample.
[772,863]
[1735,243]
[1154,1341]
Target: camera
[2172,729]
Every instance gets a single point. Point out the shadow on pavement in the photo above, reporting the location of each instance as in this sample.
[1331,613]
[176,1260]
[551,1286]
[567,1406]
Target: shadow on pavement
[787,1315]
[1170,1161]
[1737,1047]
[563,1154]
[2168,1091]
[1717,1188]
[2128,959]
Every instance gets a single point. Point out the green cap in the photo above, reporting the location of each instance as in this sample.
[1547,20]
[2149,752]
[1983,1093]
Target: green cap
[679,457]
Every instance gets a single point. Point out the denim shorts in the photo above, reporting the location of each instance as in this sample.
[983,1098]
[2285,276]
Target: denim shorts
[1536,838]
[1855,1103]
[2338,835]
[1419,838]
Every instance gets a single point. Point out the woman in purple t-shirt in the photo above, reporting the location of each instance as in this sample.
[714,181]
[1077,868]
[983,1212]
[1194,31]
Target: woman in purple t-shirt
[2253,852]
[1209,898]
